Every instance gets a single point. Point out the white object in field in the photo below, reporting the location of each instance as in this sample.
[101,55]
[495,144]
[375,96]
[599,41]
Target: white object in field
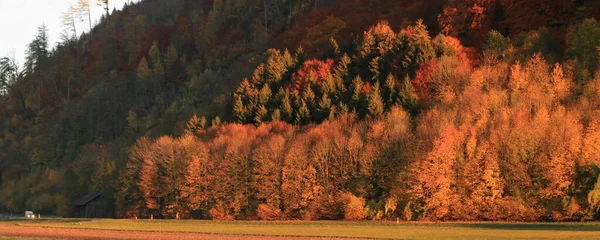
[29,214]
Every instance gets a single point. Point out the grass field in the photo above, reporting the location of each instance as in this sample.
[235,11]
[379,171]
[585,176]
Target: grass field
[380,230]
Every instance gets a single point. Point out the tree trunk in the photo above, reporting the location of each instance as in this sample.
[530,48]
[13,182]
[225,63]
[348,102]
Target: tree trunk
[69,89]
[75,32]
[40,83]
[56,90]
[90,20]
[266,21]
[290,13]
[107,13]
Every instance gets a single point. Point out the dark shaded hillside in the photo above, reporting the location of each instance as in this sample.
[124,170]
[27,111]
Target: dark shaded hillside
[470,20]
[142,71]
[345,20]
[78,117]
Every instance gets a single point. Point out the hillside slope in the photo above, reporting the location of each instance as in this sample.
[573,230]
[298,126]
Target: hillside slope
[143,109]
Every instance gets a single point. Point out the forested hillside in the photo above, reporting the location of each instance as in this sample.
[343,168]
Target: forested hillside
[312,109]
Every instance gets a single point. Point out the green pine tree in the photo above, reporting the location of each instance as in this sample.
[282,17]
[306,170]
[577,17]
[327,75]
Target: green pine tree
[288,59]
[303,114]
[299,57]
[408,96]
[332,112]
[308,95]
[143,71]
[261,114]
[239,111]
[357,88]
[195,123]
[171,57]
[374,68]
[376,106]
[328,86]
[154,54]
[341,73]
[159,70]
[341,109]
[324,108]
[276,66]
[264,95]
[333,45]
[390,91]
[286,108]
[216,122]
[276,115]
[416,48]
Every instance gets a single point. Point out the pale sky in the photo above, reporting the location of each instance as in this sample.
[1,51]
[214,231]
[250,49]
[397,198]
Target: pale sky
[19,20]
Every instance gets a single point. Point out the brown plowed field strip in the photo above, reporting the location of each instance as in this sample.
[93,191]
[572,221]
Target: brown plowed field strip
[68,233]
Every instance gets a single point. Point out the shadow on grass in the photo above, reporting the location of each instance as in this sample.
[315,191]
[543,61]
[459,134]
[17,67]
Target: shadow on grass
[535,226]
[45,220]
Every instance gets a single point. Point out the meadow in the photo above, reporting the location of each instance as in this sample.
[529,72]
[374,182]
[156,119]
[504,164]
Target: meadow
[372,230]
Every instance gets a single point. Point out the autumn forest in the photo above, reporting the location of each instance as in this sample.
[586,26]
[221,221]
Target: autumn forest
[441,110]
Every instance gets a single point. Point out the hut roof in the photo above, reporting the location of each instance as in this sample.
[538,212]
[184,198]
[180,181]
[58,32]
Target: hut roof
[87,198]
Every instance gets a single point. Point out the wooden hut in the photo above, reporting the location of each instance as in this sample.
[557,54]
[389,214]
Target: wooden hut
[92,205]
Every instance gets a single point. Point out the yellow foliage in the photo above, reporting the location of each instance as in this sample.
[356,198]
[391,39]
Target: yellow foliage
[591,144]
[559,84]
[353,207]
[266,212]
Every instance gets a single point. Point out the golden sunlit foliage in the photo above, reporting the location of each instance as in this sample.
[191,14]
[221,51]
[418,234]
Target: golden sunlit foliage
[500,140]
